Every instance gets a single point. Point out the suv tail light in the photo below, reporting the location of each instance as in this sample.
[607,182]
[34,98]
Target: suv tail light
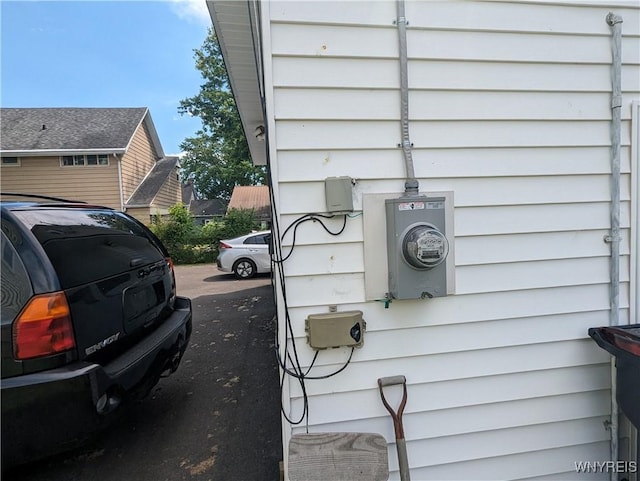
[224,245]
[43,327]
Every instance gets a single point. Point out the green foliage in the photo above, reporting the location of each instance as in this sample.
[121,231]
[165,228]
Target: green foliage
[180,214]
[238,222]
[188,243]
[218,157]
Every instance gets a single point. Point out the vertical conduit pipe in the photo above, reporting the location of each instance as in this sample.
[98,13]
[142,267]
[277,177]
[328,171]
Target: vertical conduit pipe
[411,186]
[615,22]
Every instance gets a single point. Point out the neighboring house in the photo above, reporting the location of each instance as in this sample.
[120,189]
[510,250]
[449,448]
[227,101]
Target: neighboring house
[510,110]
[188,192]
[105,156]
[255,197]
[204,211]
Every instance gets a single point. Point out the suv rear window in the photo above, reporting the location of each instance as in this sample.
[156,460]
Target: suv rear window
[16,287]
[88,245]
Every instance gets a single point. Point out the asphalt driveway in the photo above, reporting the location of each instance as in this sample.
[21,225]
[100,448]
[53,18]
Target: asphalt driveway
[217,418]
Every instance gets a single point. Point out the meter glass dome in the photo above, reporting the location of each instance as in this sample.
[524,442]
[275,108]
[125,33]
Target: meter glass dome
[424,247]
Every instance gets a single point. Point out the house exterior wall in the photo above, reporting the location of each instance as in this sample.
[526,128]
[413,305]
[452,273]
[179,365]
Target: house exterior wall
[509,108]
[138,161]
[95,184]
[169,194]
[143,214]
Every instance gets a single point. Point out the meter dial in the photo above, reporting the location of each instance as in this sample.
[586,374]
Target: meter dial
[424,247]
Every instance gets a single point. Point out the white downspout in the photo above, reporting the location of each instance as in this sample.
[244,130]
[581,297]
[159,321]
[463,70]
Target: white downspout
[119,161]
[615,22]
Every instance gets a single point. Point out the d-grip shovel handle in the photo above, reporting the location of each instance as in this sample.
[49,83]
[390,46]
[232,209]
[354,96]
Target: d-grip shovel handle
[396,415]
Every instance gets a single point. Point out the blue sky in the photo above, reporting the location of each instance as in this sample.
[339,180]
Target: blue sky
[104,54]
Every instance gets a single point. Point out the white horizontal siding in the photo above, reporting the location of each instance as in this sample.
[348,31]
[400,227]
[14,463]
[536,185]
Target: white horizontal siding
[442,338]
[470,250]
[380,73]
[495,16]
[316,165]
[474,221]
[458,365]
[555,462]
[370,104]
[487,417]
[491,278]
[335,407]
[509,108]
[381,42]
[359,134]
[473,192]
[514,275]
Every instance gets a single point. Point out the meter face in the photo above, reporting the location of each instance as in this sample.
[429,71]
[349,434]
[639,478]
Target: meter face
[424,246]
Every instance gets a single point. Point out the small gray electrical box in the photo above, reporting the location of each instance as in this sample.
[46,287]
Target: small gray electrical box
[335,329]
[338,194]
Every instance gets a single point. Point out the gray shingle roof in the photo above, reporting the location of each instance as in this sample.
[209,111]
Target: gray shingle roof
[207,207]
[188,192]
[153,182]
[68,129]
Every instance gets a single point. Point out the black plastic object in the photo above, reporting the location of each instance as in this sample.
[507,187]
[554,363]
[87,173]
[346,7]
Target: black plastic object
[624,343]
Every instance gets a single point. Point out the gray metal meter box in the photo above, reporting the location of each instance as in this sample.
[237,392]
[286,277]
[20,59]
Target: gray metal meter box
[338,194]
[417,247]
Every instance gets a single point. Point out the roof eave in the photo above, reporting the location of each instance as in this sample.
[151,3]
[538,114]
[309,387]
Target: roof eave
[155,140]
[57,152]
[229,18]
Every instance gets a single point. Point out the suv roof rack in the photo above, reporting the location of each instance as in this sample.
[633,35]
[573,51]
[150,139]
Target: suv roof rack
[44,197]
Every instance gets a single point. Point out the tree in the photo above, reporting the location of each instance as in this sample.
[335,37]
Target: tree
[218,157]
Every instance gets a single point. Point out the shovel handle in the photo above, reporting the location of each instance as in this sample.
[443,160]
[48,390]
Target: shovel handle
[395,415]
[391,380]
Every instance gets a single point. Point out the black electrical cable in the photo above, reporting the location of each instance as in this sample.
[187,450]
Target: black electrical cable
[306,218]
[313,361]
[276,228]
[326,376]
[296,370]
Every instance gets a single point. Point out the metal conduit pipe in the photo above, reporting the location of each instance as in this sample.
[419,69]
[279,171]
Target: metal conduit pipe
[615,22]
[411,186]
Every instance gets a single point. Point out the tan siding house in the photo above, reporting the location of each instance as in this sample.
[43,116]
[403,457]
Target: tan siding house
[158,191]
[509,114]
[96,155]
[139,159]
[47,176]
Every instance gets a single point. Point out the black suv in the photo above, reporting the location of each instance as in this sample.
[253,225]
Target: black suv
[89,319]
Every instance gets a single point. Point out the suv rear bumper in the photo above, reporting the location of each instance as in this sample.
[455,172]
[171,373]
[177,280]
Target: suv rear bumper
[51,411]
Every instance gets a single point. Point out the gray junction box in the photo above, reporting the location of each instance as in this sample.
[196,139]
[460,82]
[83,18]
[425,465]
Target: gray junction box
[417,247]
[338,194]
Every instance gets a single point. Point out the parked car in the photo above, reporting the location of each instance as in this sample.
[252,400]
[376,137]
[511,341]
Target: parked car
[246,255]
[90,319]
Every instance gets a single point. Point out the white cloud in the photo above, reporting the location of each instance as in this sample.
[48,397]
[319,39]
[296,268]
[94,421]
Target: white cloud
[192,10]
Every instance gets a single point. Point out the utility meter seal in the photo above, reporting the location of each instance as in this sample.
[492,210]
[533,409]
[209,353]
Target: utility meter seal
[424,246]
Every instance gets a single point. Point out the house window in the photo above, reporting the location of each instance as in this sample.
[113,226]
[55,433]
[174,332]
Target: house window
[83,160]
[14,161]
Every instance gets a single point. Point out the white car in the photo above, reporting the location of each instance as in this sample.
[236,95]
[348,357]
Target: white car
[246,255]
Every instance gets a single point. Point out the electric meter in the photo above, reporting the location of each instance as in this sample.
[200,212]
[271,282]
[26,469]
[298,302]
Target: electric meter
[417,247]
[424,247]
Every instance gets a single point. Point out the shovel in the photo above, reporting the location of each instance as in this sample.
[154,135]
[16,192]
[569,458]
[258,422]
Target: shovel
[401,445]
